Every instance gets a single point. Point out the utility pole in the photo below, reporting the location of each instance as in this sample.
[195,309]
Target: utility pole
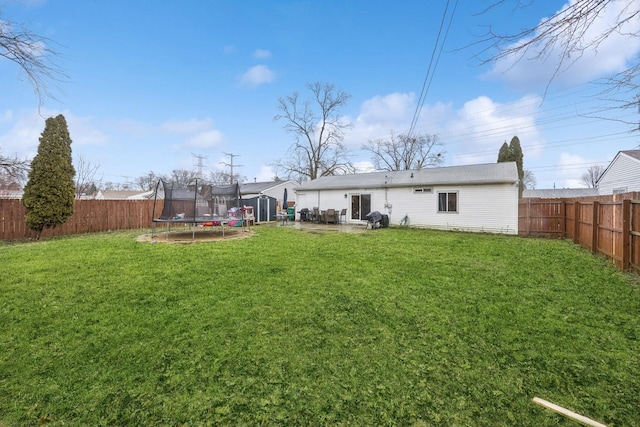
[200,164]
[231,165]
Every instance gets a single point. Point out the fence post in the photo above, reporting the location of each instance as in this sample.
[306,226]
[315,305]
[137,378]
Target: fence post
[528,217]
[626,234]
[563,220]
[576,222]
[594,227]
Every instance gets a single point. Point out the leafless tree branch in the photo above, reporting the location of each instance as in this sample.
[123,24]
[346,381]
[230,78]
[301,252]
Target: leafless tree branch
[319,132]
[404,152]
[85,175]
[566,34]
[34,56]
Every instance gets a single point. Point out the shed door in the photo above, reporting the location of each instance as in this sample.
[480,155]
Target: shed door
[360,206]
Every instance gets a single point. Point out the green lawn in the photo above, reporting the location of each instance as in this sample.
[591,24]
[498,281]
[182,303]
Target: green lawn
[288,327]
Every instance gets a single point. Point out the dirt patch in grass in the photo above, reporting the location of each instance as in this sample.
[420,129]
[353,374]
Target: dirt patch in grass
[196,236]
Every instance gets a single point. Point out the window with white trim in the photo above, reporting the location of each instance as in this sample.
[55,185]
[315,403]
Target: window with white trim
[448,202]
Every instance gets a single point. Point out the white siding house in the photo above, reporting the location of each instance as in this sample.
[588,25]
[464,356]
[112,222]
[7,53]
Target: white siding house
[622,175]
[480,198]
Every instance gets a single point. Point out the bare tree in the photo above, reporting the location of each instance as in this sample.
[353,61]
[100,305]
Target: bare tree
[404,152]
[529,180]
[220,177]
[147,182]
[13,168]
[34,57]
[319,130]
[33,54]
[592,175]
[8,184]
[85,175]
[567,32]
[182,177]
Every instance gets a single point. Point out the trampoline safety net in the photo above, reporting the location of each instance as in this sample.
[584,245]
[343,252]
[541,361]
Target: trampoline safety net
[198,202]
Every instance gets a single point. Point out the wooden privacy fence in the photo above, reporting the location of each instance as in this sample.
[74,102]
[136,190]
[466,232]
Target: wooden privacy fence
[89,216]
[606,225]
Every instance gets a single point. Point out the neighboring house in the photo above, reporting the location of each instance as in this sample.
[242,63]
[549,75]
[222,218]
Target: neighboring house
[622,175]
[273,189]
[123,195]
[480,198]
[560,193]
[267,197]
[11,193]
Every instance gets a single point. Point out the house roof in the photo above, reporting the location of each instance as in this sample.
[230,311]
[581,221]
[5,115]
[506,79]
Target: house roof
[123,194]
[632,153]
[560,193]
[259,187]
[490,173]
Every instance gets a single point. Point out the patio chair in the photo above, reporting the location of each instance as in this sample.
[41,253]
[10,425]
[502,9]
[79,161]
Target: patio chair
[331,216]
[316,215]
[343,214]
[248,215]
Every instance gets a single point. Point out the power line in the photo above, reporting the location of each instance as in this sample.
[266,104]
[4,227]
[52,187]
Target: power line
[428,78]
[200,164]
[231,165]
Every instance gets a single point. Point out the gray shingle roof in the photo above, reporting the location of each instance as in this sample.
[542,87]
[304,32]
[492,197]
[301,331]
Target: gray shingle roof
[560,193]
[258,187]
[632,153]
[491,173]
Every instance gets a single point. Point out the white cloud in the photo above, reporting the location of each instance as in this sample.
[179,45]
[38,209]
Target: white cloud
[255,76]
[207,139]
[379,117]
[536,69]
[199,133]
[471,134]
[364,166]
[265,174]
[570,169]
[133,127]
[478,130]
[262,54]
[20,134]
[187,126]
[83,131]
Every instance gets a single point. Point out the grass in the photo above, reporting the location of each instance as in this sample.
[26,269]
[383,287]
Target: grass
[389,327]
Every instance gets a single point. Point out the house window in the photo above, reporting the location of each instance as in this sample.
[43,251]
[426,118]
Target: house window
[620,190]
[422,190]
[447,202]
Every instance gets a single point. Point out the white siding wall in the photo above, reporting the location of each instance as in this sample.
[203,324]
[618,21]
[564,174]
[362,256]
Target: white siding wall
[481,208]
[277,192]
[492,209]
[624,172]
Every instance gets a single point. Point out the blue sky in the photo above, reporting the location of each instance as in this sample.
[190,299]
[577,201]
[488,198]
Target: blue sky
[152,84]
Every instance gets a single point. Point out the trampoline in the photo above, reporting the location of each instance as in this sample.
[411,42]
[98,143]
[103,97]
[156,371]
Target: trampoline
[198,204]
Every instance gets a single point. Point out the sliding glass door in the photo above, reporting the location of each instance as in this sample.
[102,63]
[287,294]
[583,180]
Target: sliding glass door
[360,206]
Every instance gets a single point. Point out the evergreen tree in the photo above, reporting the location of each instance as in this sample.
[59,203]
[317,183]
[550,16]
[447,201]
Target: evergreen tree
[513,153]
[503,154]
[49,192]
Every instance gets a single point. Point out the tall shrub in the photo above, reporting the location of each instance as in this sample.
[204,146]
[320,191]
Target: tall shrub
[49,192]
[513,153]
